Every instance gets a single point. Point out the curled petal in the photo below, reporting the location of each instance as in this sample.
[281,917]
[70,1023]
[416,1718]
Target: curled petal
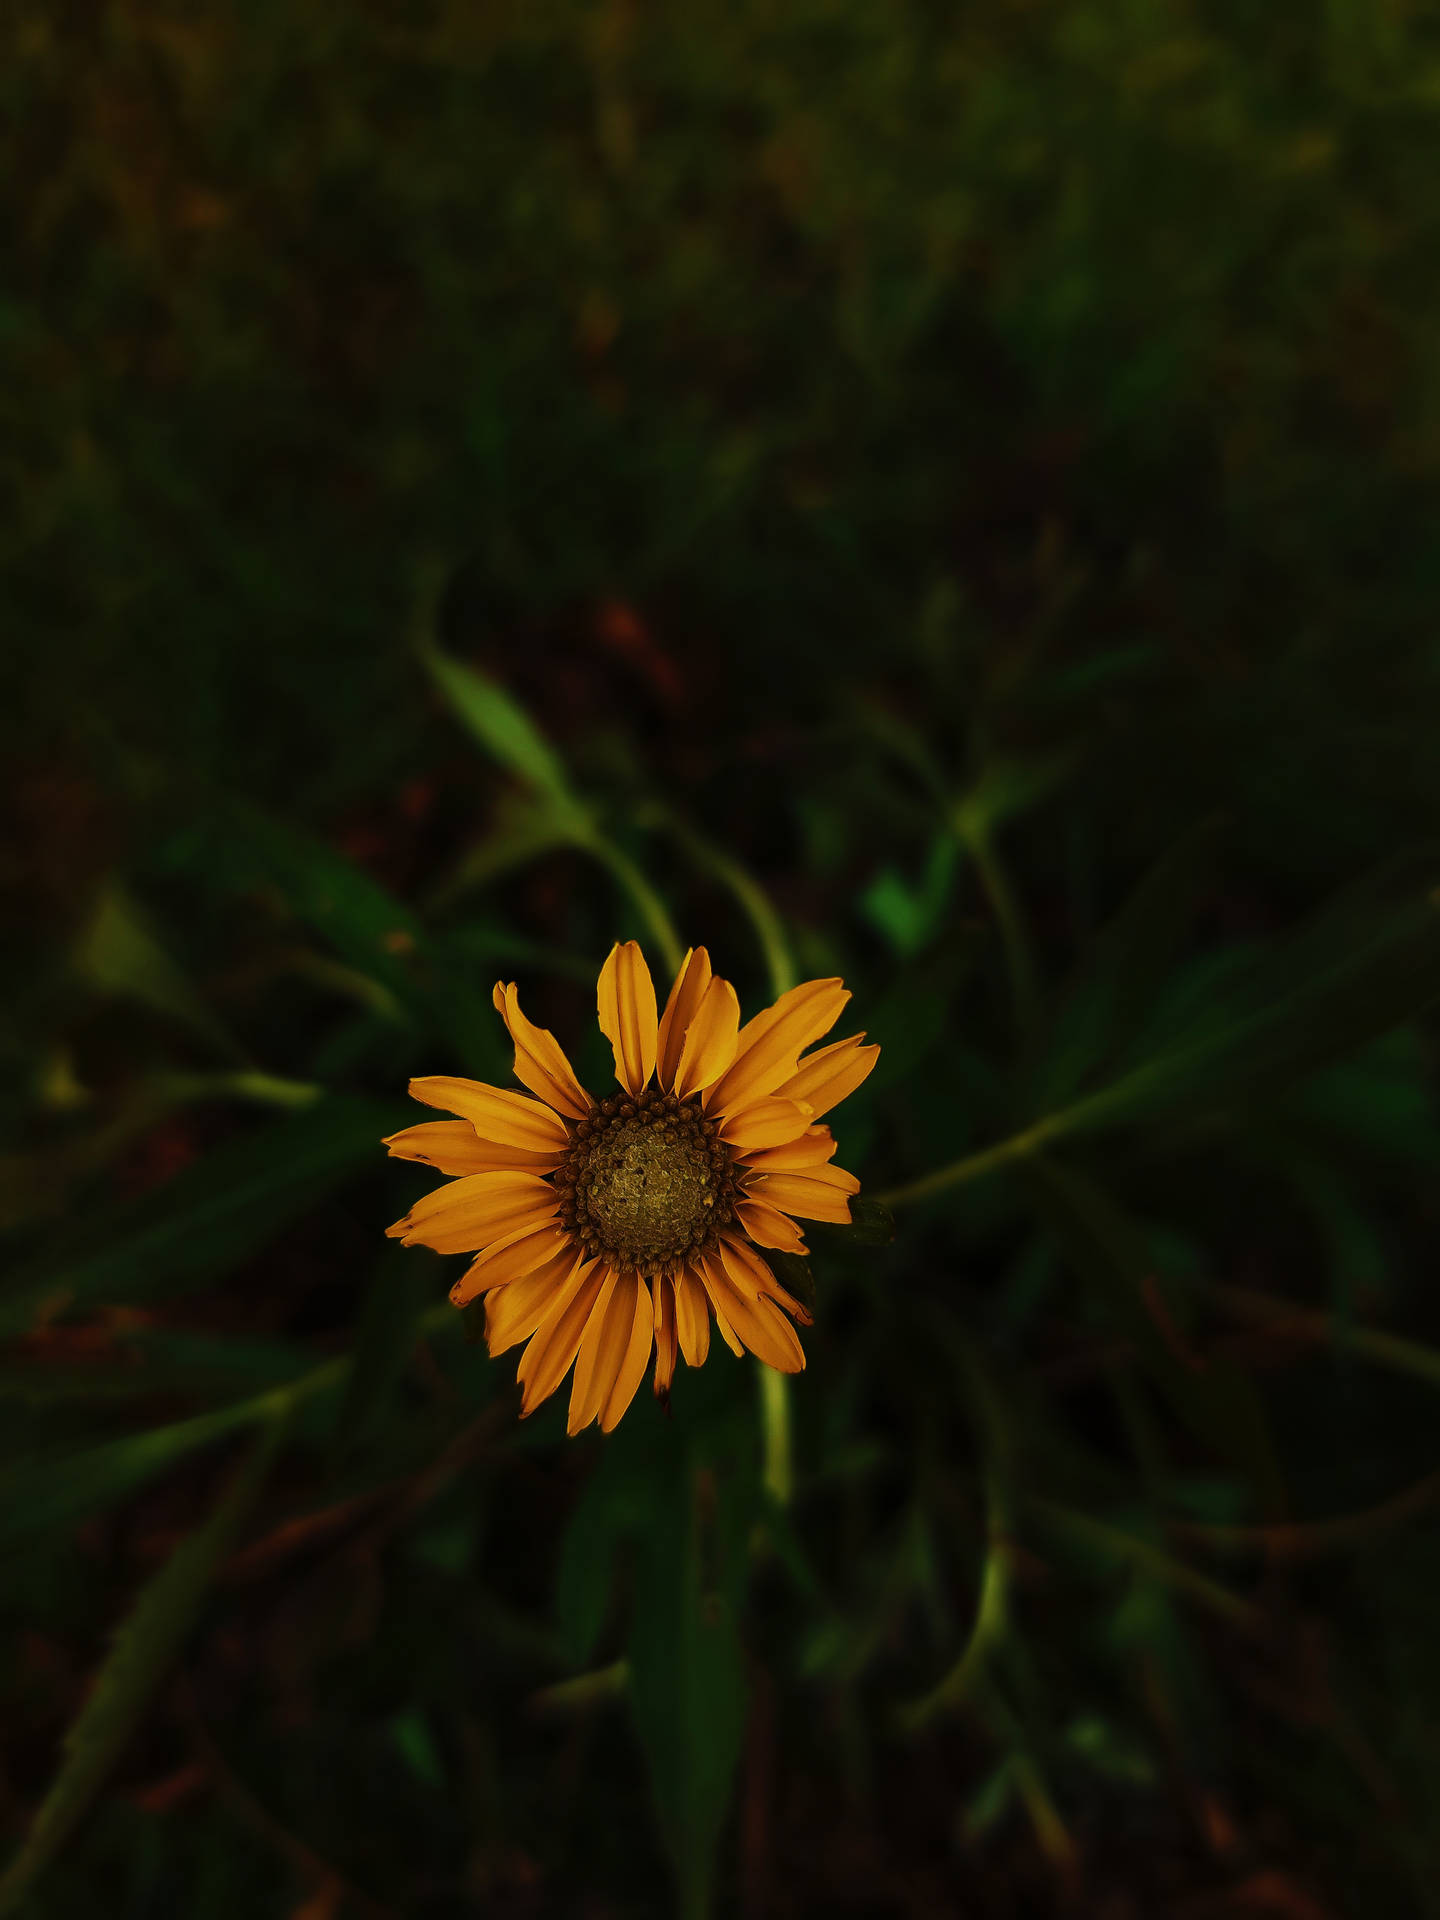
[453,1146]
[467,1213]
[540,1061]
[768,1227]
[824,1078]
[757,1322]
[494,1112]
[807,1199]
[753,1277]
[516,1254]
[810,1151]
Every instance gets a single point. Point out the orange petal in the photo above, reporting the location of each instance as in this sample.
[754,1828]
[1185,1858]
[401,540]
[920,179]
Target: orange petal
[765,1123]
[665,1340]
[825,1077]
[769,1046]
[493,1188]
[494,1112]
[692,1318]
[556,1341]
[620,1328]
[513,1311]
[747,1271]
[808,1199]
[518,1253]
[467,1234]
[453,1146]
[768,1227]
[811,1150]
[583,1385]
[753,1276]
[759,1324]
[632,1366]
[470,1212]
[726,1331]
[840,1178]
[540,1062]
[710,1042]
[690,984]
[625,998]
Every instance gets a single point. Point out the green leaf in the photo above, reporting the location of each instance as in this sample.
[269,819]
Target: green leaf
[416,1744]
[213,1215]
[1353,1253]
[40,1497]
[1008,787]
[1309,1024]
[794,1273]
[1108,1750]
[494,945]
[990,1801]
[143,1649]
[239,849]
[912,1014]
[871,1225]
[611,1510]
[1124,968]
[385,1338]
[501,725]
[1029,1279]
[899,737]
[688,1689]
[523,825]
[1379,1101]
[1109,1252]
[151,1360]
[120,953]
[909,916]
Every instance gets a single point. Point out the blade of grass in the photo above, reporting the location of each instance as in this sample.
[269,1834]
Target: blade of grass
[143,1649]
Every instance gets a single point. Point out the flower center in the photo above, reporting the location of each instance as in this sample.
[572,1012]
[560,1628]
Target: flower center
[646,1180]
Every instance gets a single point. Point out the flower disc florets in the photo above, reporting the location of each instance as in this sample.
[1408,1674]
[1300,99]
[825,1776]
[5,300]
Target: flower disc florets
[646,1180]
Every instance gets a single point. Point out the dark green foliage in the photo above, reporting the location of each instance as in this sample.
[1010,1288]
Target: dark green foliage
[946,499]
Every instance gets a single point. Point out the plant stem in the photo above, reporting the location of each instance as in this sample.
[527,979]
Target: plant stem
[1120,1545]
[1005,903]
[976,1165]
[647,901]
[775,1431]
[747,889]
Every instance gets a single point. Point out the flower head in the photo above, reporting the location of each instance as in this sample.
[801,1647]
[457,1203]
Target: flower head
[605,1230]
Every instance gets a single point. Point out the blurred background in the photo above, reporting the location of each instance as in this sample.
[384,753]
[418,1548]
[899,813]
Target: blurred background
[945,497]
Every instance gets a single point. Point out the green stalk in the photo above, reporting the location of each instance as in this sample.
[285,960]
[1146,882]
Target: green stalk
[753,898]
[1005,904]
[633,882]
[1120,1545]
[775,1431]
[976,1165]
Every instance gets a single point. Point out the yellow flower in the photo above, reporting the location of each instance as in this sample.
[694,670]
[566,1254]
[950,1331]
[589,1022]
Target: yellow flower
[603,1229]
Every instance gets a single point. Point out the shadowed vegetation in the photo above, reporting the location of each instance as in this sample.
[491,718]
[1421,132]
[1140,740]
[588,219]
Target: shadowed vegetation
[945,498]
